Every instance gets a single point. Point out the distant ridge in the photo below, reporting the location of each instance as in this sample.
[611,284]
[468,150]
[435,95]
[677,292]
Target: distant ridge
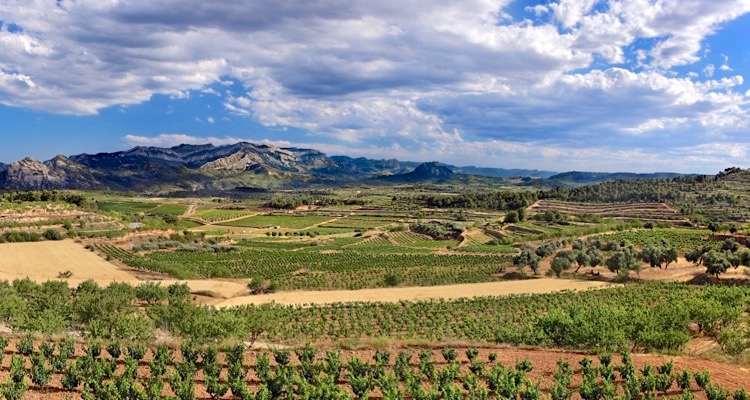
[578,178]
[251,166]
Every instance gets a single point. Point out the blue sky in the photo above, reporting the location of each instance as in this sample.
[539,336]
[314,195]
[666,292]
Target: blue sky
[620,85]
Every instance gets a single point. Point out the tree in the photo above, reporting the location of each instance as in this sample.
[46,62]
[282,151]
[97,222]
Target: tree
[695,256]
[716,263]
[655,256]
[713,226]
[151,292]
[595,257]
[511,217]
[733,229]
[561,263]
[582,258]
[624,260]
[652,255]
[730,245]
[669,256]
[527,257]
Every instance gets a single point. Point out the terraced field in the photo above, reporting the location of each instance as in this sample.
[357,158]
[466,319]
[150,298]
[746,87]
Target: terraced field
[655,212]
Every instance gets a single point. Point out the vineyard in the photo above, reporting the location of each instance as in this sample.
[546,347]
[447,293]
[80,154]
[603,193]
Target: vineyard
[115,370]
[647,317]
[218,215]
[357,267]
[651,317]
[681,239]
[410,239]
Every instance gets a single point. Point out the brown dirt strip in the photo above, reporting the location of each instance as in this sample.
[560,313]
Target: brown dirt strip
[416,293]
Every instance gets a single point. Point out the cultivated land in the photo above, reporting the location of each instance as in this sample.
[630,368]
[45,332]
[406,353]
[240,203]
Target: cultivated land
[43,261]
[404,268]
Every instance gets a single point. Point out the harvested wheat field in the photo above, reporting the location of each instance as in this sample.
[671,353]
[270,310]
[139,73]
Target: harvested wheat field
[41,261]
[417,293]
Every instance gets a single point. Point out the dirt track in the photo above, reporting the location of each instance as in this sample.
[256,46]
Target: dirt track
[417,293]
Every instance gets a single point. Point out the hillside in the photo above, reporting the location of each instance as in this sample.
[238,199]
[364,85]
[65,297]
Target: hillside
[720,197]
[427,172]
[574,178]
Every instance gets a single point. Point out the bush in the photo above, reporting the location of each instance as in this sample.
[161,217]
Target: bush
[52,234]
[392,280]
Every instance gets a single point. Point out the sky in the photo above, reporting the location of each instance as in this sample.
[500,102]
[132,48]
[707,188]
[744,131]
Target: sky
[618,85]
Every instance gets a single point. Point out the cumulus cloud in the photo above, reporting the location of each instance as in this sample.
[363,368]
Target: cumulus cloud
[427,75]
[175,139]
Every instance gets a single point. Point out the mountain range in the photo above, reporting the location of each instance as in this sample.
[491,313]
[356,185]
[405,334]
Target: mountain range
[248,165]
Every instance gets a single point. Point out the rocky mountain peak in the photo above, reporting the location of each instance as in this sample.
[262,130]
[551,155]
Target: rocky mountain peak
[433,170]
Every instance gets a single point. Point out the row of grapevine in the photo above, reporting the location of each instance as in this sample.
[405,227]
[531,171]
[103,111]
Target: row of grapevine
[136,372]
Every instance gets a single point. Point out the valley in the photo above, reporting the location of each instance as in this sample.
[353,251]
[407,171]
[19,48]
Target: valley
[374,272]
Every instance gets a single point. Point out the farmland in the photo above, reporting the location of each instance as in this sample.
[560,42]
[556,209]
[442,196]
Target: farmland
[290,222]
[388,278]
[353,268]
[657,212]
[90,371]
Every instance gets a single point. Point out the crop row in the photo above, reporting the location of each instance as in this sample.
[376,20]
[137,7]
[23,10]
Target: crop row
[681,239]
[343,270]
[130,372]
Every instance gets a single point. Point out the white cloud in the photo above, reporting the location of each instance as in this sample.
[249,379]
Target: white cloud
[425,74]
[175,139]
[725,65]
[709,70]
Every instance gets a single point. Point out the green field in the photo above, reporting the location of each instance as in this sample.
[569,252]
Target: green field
[283,221]
[170,209]
[216,215]
[126,206]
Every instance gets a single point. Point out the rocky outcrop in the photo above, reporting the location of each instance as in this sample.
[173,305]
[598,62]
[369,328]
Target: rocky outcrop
[57,173]
[250,157]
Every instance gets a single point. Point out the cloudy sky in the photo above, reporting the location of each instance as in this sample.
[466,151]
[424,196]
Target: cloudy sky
[636,85]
